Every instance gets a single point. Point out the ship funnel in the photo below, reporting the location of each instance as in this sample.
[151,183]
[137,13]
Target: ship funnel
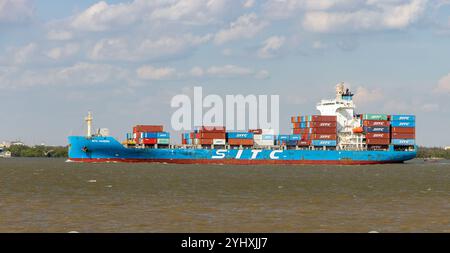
[339,90]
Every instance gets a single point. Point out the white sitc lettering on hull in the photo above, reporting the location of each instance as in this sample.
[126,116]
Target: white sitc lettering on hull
[239,154]
[272,154]
[255,153]
[220,154]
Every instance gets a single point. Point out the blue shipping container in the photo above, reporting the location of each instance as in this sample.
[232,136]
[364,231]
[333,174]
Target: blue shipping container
[268,137]
[295,137]
[239,135]
[327,143]
[403,123]
[154,135]
[376,129]
[403,142]
[403,118]
[291,143]
[283,137]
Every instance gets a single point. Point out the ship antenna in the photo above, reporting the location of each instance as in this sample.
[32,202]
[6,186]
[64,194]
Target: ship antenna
[88,120]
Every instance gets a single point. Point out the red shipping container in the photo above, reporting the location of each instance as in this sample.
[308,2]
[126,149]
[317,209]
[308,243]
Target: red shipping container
[304,143]
[293,119]
[323,118]
[403,130]
[255,131]
[323,124]
[403,136]
[376,123]
[148,128]
[212,135]
[321,130]
[243,142]
[213,129]
[149,141]
[206,141]
[323,137]
[377,141]
[377,135]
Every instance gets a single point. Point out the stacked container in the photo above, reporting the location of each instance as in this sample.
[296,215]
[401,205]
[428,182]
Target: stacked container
[377,131]
[205,136]
[403,130]
[240,138]
[150,135]
[315,130]
[263,137]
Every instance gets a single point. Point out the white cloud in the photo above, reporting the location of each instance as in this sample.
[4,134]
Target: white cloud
[15,11]
[373,15]
[58,53]
[249,4]
[24,54]
[233,71]
[197,72]
[79,74]
[151,73]
[59,35]
[365,96]
[271,46]
[164,47]
[246,26]
[444,84]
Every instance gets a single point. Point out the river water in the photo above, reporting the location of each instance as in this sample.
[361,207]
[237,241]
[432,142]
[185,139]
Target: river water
[51,195]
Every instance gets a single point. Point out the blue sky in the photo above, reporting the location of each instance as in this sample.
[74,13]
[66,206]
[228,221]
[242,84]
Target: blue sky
[124,60]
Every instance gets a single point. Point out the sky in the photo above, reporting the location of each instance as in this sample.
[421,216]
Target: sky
[125,60]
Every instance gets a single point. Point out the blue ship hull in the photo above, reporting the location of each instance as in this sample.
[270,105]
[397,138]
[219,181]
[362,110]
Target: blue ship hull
[108,149]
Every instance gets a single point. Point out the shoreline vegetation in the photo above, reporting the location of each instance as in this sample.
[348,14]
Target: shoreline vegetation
[61,151]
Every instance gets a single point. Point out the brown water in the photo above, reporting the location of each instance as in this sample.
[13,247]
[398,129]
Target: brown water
[50,195]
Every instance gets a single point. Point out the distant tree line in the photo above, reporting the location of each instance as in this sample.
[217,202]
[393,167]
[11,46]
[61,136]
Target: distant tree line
[37,151]
[425,152]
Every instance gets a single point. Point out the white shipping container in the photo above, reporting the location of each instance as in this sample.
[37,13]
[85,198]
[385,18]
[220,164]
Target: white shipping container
[257,137]
[264,142]
[268,131]
[219,141]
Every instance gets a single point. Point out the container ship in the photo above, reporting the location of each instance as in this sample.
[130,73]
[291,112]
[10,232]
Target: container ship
[337,135]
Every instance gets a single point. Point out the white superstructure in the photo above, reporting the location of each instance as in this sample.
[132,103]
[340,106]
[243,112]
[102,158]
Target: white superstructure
[343,107]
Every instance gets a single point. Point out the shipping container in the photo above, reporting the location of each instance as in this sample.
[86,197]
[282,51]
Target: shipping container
[239,135]
[243,142]
[264,142]
[376,123]
[328,143]
[403,118]
[377,135]
[323,137]
[149,141]
[268,131]
[403,124]
[163,141]
[376,129]
[211,135]
[205,141]
[322,118]
[403,136]
[219,129]
[255,131]
[304,143]
[403,142]
[375,117]
[377,141]
[148,128]
[403,130]
[219,141]
[268,137]
[295,137]
[155,135]
[321,130]
[283,137]
[377,147]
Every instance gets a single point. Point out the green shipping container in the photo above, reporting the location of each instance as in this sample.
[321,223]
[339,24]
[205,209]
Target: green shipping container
[163,141]
[375,117]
